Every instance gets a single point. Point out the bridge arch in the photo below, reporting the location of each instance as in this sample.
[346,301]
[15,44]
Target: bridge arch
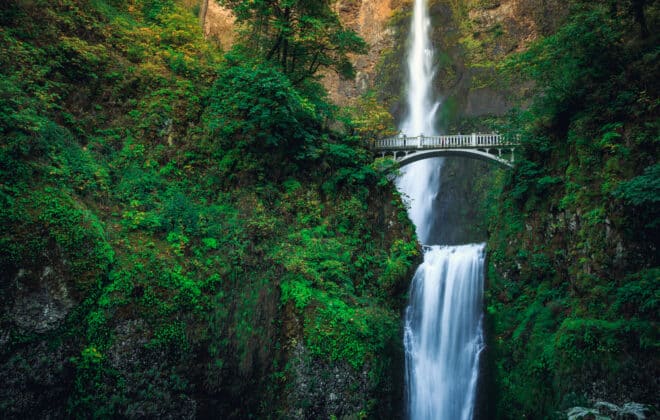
[486,147]
[409,158]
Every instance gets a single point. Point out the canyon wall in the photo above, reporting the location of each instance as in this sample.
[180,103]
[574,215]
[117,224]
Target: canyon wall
[471,38]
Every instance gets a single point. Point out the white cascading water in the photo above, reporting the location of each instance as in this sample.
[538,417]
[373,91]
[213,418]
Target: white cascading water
[418,182]
[443,335]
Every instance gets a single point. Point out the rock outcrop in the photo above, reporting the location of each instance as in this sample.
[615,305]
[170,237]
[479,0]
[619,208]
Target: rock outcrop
[369,18]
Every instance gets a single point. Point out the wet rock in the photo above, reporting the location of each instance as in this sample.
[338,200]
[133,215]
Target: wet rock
[41,299]
[127,351]
[485,101]
[320,390]
[150,376]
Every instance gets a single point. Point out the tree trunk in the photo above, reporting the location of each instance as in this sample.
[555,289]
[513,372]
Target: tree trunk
[204,7]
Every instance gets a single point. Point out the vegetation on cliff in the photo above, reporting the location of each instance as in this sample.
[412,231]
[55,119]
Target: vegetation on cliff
[301,37]
[182,234]
[573,292]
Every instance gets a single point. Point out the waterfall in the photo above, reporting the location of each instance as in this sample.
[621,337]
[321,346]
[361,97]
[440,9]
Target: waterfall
[421,109]
[443,333]
[419,181]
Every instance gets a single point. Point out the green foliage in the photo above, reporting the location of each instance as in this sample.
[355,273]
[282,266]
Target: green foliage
[643,194]
[94,382]
[398,264]
[566,65]
[372,120]
[640,295]
[48,221]
[300,36]
[333,276]
[255,106]
[573,244]
[354,335]
[155,9]
[197,209]
[198,206]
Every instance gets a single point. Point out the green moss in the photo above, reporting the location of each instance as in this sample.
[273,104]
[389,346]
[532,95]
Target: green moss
[568,262]
[201,209]
[51,221]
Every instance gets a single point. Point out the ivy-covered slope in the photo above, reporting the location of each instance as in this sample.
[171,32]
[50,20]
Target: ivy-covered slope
[573,276]
[181,234]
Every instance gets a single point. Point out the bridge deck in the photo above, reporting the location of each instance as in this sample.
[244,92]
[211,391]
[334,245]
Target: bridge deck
[462,141]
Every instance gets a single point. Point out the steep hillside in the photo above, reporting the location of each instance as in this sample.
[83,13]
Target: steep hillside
[573,275]
[471,40]
[182,235]
[189,230]
[368,18]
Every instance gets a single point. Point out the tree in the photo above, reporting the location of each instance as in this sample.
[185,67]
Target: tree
[253,106]
[301,36]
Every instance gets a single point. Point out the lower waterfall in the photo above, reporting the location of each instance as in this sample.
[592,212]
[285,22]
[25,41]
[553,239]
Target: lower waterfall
[443,333]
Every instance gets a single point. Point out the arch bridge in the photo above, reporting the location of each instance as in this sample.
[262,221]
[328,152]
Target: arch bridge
[492,147]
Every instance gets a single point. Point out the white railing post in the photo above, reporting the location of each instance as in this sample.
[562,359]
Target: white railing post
[402,143]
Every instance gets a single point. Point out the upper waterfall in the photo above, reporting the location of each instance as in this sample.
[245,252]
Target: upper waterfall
[421,108]
[419,183]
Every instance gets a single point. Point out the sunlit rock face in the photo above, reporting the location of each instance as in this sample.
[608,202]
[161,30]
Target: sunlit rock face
[218,23]
[369,18]
[515,22]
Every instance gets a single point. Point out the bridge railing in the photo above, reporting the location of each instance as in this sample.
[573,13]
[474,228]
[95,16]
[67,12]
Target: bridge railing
[444,142]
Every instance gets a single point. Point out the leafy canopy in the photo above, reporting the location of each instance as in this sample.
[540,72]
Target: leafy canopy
[301,36]
[255,104]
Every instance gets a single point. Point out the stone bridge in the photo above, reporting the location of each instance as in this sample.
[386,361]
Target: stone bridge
[492,147]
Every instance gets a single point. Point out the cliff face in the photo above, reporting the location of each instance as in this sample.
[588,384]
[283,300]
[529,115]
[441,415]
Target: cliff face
[573,272]
[156,263]
[369,18]
[218,22]
[471,39]
[156,258]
